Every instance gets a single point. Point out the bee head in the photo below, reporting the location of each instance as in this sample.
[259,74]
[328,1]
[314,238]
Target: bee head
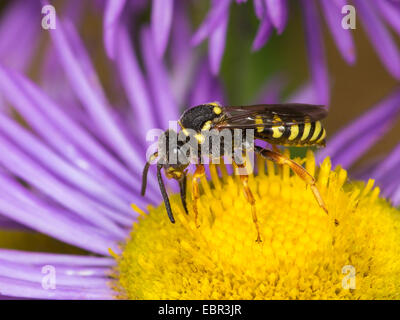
[200,117]
[173,155]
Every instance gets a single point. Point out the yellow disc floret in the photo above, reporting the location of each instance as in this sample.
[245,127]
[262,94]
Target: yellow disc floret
[304,255]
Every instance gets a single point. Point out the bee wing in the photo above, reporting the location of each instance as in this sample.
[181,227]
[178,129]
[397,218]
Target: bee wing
[264,115]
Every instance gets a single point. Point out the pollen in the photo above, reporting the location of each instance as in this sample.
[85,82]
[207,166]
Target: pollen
[303,255]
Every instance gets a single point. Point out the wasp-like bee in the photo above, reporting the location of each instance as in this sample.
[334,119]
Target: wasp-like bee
[278,124]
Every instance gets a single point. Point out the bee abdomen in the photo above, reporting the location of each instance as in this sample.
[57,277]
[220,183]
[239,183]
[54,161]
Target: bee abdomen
[304,134]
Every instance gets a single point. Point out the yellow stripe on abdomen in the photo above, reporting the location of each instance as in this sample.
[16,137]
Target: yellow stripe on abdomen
[317,130]
[306,131]
[277,131]
[323,136]
[294,132]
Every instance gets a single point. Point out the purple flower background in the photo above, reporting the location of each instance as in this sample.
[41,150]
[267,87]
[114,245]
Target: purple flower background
[80,153]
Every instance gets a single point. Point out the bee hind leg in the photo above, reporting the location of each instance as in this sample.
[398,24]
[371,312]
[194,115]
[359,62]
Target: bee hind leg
[297,169]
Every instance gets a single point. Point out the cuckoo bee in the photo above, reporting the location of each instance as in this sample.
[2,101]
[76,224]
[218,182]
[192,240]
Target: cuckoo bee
[279,124]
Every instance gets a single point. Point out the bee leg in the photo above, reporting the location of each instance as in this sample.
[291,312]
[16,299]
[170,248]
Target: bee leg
[182,187]
[195,190]
[244,178]
[275,148]
[297,169]
[145,171]
[164,193]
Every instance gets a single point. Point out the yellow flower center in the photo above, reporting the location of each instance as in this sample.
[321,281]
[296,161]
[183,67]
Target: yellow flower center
[304,255]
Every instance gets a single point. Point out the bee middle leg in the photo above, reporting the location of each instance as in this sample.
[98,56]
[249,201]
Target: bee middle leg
[200,172]
[297,169]
[244,178]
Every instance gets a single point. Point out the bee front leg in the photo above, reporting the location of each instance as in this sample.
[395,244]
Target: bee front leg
[297,169]
[244,178]
[182,187]
[200,172]
[164,193]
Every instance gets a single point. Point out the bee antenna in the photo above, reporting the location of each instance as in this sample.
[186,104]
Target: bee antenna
[164,193]
[144,174]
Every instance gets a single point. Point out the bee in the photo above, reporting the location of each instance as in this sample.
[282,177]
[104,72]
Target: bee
[279,124]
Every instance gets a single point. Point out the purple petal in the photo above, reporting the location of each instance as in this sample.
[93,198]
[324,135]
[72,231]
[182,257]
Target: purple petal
[161,20]
[263,34]
[390,187]
[343,38]
[364,171]
[8,224]
[181,35]
[396,197]
[73,130]
[183,64]
[20,288]
[340,3]
[316,55]
[55,259]
[305,94]
[31,197]
[64,277]
[206,87]
[259,8]
[30,171]
[271,91]
[54,83]
[63,169]
[350,153]
[216,14]
[390,164]
[277,11]
[54,224]
[85,86]
[358,135]
[380,37]
[60,142]
[216,44]
[390,12]
[158,80]
[134,83]
[19,34]
[112,14]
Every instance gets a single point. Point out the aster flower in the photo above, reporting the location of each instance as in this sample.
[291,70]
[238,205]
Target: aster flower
[79,159]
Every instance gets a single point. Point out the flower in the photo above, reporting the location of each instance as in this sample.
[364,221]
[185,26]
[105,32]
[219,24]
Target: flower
[77,158]
[71,152]
[303,254]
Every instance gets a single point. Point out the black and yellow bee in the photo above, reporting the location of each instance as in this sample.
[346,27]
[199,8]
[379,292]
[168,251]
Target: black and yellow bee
[278,124]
